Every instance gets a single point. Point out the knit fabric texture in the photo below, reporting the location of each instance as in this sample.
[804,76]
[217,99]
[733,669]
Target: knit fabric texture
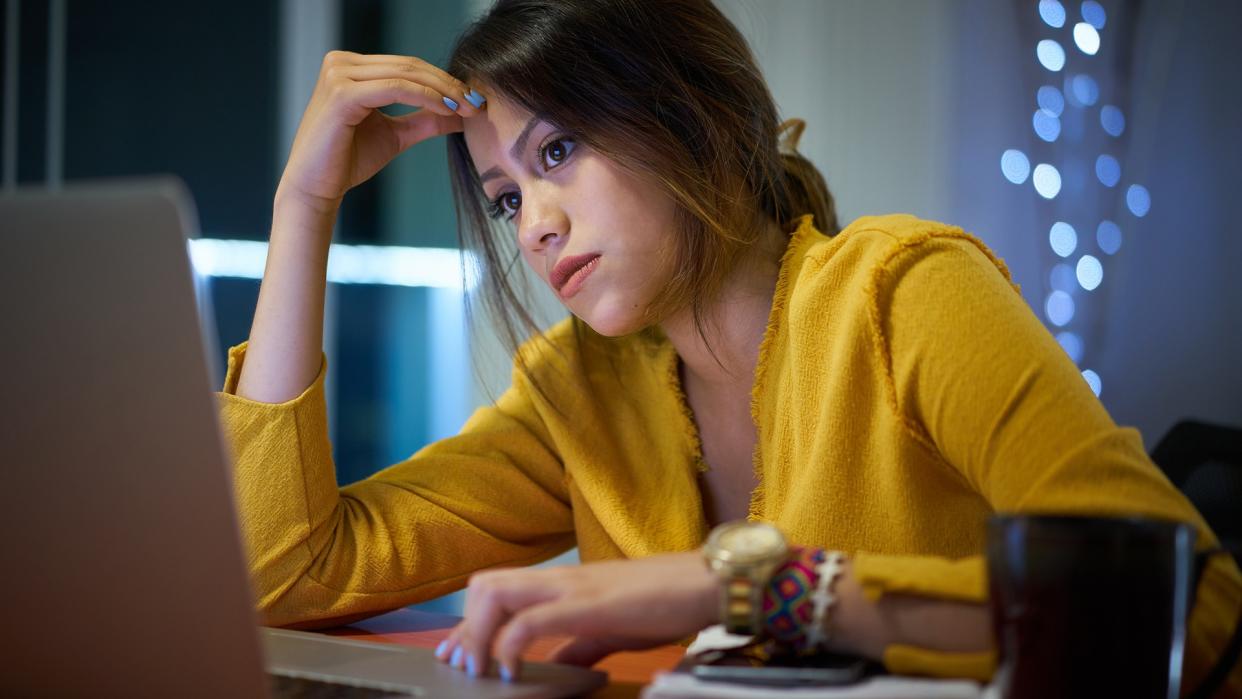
[904,392]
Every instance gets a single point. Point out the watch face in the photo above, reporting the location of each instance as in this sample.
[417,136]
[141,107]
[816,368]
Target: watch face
[750,540]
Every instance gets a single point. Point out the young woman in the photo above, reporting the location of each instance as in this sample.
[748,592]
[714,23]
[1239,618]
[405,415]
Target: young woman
[731,354]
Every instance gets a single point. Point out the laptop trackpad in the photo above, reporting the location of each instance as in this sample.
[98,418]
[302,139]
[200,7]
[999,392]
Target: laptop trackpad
[324,657]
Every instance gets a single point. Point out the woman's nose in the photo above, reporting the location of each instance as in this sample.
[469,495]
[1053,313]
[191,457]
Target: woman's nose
[544,224]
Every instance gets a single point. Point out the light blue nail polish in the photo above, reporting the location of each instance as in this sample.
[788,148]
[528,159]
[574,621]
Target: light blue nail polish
[473,97]
[441,648]
[505,673]
[472,667]
[450,104]
[455,661]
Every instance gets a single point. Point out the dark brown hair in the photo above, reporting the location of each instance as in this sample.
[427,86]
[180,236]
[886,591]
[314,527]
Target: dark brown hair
[668,90]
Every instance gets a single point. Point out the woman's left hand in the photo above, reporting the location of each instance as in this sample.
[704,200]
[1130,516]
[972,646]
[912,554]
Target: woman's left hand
[605,607]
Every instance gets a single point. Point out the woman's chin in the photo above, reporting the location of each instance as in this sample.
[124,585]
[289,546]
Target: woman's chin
[610,324]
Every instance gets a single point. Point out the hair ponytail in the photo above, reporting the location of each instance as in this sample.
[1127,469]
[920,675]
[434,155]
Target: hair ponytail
[806,192]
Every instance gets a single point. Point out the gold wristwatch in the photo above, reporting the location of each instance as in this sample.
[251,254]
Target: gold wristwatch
[744,555]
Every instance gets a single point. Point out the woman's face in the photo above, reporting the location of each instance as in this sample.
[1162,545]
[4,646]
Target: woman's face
[600,237]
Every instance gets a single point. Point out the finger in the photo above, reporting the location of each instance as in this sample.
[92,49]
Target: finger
[443,83]
[362,58]
[576,618]
[444,651]
[491,600]
[373,94]
[351,58]
[421,125]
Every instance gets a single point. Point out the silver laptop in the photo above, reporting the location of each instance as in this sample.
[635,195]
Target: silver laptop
[121,571]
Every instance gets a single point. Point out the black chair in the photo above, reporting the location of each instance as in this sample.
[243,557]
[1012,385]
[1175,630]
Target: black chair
[1205,462]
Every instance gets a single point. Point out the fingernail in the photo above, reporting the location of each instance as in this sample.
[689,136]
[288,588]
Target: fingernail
[473,97]
[505,673]
[472,667]
[442,648]
[450,104]
[455,661]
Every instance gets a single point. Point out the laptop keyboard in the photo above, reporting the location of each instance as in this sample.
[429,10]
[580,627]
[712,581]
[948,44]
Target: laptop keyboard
[289,687]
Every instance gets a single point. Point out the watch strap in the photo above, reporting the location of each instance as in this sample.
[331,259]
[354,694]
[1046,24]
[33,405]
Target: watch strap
[741,603]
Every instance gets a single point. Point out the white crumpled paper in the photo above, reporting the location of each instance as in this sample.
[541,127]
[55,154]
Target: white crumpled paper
[681,685]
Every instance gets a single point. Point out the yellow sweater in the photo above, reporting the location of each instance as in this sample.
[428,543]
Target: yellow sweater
[904,392]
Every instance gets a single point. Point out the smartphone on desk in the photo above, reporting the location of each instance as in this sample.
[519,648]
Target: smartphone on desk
[820,670]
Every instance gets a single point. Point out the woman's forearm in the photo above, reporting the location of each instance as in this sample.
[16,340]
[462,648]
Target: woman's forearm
[861,626]
[286,337]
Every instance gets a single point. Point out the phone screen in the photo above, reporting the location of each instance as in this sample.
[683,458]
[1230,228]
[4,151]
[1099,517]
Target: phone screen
[741,667]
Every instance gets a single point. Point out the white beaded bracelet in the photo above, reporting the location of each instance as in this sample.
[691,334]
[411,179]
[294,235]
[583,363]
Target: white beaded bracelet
[828,571]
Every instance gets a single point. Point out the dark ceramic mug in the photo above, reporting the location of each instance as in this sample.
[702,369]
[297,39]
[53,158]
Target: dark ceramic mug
[1089,606]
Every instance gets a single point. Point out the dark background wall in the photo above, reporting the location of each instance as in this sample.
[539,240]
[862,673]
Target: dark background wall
[161,87]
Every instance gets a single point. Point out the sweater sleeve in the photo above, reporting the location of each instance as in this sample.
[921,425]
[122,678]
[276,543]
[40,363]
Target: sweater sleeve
[320,556]
[981,383]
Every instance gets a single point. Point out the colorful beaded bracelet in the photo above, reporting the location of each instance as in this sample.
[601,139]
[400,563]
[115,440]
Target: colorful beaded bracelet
[797,599]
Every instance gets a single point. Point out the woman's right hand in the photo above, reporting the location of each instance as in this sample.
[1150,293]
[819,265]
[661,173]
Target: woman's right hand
[343,139]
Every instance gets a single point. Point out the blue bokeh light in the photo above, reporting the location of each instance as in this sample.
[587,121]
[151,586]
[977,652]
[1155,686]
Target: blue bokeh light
[1047,180]
[1108,237]
[1059,308]
[1047,126]
[1093,14]
[1113,121]
[1137,198]
[1086,38]
[1063,238]
[1072,344]
[1086,90]
[1050,100]
[1052,12]
[1051,55]
[1090,272]
[1108,170]
[1093,380]
[1014,166]
[1062,278]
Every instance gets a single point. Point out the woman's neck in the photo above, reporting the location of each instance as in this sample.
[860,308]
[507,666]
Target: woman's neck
[734,323]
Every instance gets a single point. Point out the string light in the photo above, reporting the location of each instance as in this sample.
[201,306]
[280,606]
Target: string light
[1063,238]
[1093,14]
[1047,125]
[1015,166]
[1064,139]
[1084,89]
[1112,120]
[1090,272]
[1086,38]
[1047,180]
[1050,55]
[1072,345]
[1060,308]
[1093,380]
[1050,100]
[1108,170]
[1108,237]
[1138,199]
[1053,13]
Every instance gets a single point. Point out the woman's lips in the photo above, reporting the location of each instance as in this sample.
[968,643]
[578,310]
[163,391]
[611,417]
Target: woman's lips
[575,281]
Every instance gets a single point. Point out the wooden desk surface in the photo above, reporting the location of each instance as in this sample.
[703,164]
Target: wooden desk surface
[627,671]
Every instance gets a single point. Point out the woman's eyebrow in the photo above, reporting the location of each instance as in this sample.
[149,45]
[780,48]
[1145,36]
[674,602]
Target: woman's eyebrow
[515,151]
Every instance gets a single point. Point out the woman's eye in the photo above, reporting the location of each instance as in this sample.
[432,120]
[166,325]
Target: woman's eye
[511,201]
[506,205]
[553,154]
[556,152]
